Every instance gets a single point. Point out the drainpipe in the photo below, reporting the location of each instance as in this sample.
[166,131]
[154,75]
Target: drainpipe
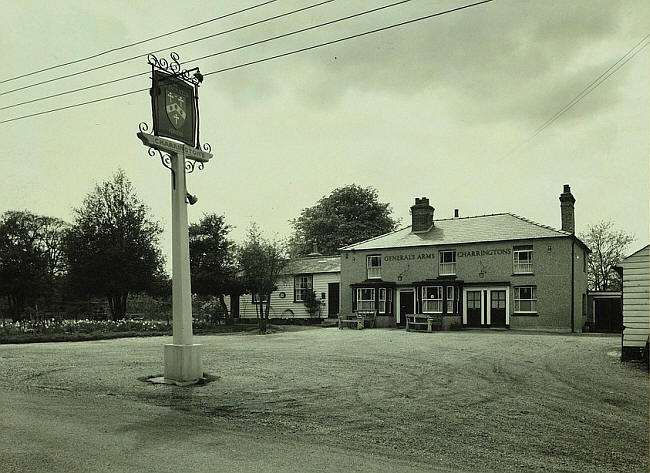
[573,262]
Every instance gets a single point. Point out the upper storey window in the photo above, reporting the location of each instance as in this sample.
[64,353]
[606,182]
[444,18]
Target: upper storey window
[373,265]
[523,259]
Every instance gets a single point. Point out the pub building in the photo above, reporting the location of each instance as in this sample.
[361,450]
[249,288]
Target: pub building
[498,270]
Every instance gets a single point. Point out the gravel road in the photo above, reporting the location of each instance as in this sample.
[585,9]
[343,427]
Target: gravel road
[371,400]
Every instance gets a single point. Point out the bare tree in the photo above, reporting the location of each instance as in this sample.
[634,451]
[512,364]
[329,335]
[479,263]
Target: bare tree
[608,246]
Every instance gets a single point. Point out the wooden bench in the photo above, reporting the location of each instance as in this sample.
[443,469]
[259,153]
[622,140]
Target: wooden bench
[423,322]
[358,320]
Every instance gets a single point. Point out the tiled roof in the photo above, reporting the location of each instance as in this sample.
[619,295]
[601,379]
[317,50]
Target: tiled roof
[482,228]
[313,264]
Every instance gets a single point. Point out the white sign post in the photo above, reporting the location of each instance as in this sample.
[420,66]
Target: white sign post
[182,356]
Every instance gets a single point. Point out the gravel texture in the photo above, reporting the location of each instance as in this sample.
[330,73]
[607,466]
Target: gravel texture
[484,401]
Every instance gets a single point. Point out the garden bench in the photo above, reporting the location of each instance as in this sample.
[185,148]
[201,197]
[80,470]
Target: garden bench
[423,322]
[358,320]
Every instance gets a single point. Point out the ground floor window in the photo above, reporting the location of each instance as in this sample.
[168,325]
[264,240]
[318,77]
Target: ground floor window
[432,299]
[301,286]
[365,299]
[526,299]
[450,299]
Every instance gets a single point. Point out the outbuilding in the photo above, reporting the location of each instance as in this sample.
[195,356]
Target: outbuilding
[605,311]
[317,273]
[636,304]
[498,270]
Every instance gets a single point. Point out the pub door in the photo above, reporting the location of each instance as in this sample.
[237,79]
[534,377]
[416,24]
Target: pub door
[474,308]
[498,308]
[406,306]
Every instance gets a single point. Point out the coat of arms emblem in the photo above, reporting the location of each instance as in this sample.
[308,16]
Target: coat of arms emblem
[176,105]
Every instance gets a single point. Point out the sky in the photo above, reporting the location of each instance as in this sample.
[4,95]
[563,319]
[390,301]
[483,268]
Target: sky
[445,108]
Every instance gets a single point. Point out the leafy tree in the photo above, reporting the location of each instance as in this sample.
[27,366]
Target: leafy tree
[348,215]
[112,247]
[212,261]
[260,263]
[608,247]
[30,256]
[312,303]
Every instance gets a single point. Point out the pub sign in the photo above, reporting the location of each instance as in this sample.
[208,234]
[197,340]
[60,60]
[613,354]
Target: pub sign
[174,108]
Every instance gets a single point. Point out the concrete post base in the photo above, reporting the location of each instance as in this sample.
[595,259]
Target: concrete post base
[183,363]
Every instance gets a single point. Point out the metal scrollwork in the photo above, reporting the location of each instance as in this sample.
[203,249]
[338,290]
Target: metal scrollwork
[207,148]
[190,166]
[143,127]
[173,67]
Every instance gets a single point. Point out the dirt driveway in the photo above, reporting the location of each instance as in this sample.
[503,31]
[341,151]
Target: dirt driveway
[467,401]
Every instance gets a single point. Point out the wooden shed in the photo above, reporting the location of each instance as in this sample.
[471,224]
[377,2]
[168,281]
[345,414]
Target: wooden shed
[636,304]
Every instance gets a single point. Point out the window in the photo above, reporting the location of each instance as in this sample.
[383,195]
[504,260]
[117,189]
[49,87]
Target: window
[365,299]
[447,263]
[373,264]
[382,300]
[256,301]
[526,299]
[498,299]
[432,299]
[523,259]
[450,299]
[301,286]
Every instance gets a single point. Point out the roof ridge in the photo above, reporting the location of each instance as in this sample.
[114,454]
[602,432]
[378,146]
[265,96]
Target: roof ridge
[470,216]
[548,227]
[374,238]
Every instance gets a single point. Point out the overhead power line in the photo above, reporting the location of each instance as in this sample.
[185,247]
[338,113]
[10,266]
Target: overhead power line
[185,43]
[120,48]
[269,58]
[593,85]
[224,51]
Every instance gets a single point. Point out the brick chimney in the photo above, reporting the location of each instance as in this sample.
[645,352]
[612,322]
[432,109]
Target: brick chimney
[566,206]
[421,215]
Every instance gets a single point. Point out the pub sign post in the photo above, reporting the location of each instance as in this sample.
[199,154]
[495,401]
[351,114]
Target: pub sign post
[175,112]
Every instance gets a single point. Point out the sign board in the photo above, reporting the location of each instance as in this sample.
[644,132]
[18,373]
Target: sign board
[173,103]
[169,146]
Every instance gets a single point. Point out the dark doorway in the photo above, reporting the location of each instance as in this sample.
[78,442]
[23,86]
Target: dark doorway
[498,308]
[473,308]
[608,316]
[333,296]
[234,306]
[406,306]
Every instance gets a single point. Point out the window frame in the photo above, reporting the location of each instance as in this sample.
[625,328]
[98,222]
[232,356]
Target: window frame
[446,264]
[425,300]
[369,267]
[255,301]
[296,289]
[517,264]
[518,299]
[450,302]
[371,300]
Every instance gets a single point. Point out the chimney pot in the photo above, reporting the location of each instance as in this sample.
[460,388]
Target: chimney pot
[421,215]
[455,213]
[567,211]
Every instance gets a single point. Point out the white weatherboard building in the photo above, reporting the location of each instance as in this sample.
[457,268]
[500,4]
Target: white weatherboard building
[321,274]
[636,303]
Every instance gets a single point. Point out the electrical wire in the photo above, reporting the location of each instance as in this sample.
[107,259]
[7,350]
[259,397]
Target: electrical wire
[122,61]
[225,51]
[593,85]
[102,53]
[315,46]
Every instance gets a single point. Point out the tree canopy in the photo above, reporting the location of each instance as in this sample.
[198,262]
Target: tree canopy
[348,215]
[260,263]
[30,256]
[608,246]
[112,246]
[213,259]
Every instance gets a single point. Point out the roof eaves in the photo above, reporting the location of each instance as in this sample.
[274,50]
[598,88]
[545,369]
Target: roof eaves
[351,247]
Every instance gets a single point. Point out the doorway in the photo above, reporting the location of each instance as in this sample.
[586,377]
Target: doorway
[406,305]
[333,299]
[498,308]
[474,308]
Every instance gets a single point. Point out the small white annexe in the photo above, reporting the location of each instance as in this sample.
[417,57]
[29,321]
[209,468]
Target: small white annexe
[636,303]
[321,274]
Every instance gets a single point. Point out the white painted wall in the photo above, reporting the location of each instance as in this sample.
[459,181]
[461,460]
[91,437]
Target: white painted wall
[286,308]
[636,298]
